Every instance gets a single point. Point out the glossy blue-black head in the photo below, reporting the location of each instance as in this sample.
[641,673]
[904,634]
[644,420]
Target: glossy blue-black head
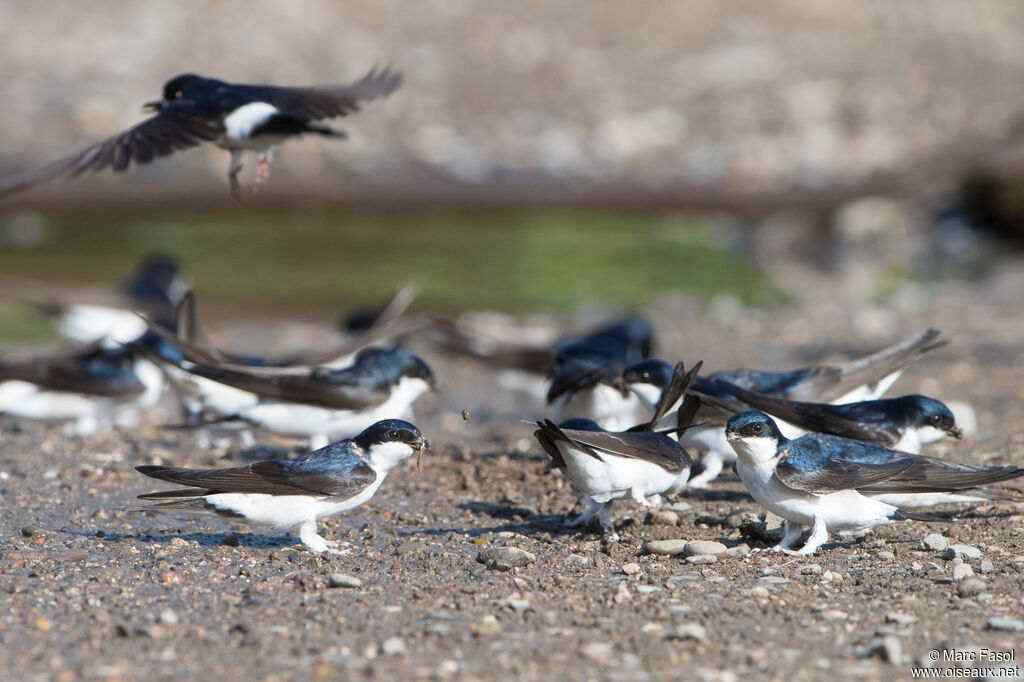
[751,424]
[925,411]
[654,372]
[392,431]
[183,86]
[393,363]
[580,424]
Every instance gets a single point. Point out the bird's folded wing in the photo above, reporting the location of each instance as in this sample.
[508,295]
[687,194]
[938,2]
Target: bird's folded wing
[176,127]
[656,448]
[927,474]
[306,388]
[816,417]
[676,400]
[64,374]
[547,434]
[819,466]
[322,102]
[270,478]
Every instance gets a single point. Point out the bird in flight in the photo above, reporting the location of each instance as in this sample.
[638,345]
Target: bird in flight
[235,117]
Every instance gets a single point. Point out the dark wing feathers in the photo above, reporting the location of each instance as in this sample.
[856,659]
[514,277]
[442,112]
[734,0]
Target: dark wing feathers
[811,465]
[652,447]
[176,127]
[306,388]
[63,374]
[270,478]
[930,475]
[816,417]
[316,103]
[673,398]
[830,383]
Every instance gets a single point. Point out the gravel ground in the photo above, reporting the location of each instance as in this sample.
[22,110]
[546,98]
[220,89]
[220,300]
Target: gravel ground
[91,591]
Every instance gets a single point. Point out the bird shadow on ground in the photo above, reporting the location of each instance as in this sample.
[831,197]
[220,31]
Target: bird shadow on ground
[255,540]
[519,520]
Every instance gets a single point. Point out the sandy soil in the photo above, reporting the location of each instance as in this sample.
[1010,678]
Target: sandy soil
[91,591]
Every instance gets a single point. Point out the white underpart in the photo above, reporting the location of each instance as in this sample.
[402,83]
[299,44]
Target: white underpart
[311,421]
[87,323]
[605,405]
[872,391]
[239,124]
[609,476]
[921,500]
[845,510]
[916,437]
[649,394]
[200,394]
[23,399]
[301,512]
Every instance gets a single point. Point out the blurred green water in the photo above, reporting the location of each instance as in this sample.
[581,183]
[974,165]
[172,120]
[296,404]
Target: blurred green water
[314,259]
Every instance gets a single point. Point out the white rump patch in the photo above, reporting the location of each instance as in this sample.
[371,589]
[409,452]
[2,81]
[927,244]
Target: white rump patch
[240,123]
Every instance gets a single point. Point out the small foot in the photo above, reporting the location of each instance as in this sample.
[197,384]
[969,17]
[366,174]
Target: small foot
[262,172]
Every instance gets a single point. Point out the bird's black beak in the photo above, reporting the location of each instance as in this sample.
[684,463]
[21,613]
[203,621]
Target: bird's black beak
[420,444]
[956,432]
[155,105]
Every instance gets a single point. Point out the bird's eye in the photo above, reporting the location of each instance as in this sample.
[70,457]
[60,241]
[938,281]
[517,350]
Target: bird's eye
[645,375]
[936,419]
[757,428]
[178,95]
[394,435]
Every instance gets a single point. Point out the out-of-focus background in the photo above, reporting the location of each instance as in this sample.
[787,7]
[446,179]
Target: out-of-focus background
[538,154]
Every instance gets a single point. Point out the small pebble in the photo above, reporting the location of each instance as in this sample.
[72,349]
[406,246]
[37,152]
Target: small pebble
[886,556]
[342,580]
[665,547]
[600,652]
[965,552]
[700,559]
[810,569]
[970,587]
[704,548]
[1004,624]
[579,561]
[505,558]
[648,589]
[834,614]
[488,626]
[738,551]
[962,571]
[935,542]
[31,531]
[631,568]
[758,592]
[986,566]
[694,631]
[168,617]
[393,646]
[663,517]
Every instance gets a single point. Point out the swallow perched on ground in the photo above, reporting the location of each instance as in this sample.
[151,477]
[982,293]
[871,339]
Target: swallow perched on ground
[603,466]
[235,117]
[863,379]
[826,482]
[155,289]
[585,375]
[92,385]
[322,402]
[293,494]
[905,423]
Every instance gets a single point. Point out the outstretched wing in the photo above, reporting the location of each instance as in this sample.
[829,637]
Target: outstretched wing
[316,103]
[178,126]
